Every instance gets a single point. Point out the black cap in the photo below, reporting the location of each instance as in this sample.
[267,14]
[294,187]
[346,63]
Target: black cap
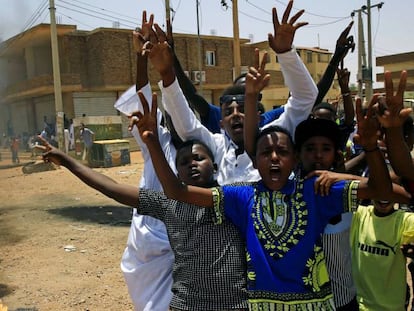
[317,127]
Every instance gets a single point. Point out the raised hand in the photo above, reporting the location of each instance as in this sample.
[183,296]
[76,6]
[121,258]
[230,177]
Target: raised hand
[368,126]
[260,65]
[160,52]
[393,114]
[256,79]
[345,43]
[50,153]
[343,79]
[284,32]
[146,122]
[141,35]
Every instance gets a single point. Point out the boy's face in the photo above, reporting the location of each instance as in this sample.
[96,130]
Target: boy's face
[275,159]
[383,208]
[194,166]
[232,120]
[317,153]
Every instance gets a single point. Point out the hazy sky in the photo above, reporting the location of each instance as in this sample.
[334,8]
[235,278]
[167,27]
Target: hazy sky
[391,28]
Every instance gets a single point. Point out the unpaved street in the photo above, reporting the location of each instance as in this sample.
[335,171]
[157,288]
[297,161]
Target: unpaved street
[61,241]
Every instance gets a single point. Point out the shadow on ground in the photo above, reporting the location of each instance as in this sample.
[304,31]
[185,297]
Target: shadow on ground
[104,215]
[8,235]
[5,290]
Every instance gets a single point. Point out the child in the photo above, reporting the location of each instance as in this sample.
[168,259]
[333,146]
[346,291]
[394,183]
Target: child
[209,268]
[229,147]
[148,259]
[378,231]
[280,218]
[318,146]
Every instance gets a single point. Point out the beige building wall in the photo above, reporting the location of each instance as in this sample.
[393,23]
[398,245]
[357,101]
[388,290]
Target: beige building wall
[395,64]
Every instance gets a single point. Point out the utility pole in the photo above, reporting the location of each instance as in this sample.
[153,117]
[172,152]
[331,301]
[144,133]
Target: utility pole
[236,40]
[200,61]
[365,74]
[56,76]
[167,10]
[362,64]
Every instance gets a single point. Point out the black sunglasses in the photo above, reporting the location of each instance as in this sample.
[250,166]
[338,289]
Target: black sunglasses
[227,99]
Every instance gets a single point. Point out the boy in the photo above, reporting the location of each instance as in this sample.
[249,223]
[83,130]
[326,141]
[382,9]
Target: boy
[228,147]
[148,259]
[209,267]
[281,219]
[379,230]
[318,145]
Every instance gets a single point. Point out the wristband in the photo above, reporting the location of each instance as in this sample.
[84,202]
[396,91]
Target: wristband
[371,150]
[346,94]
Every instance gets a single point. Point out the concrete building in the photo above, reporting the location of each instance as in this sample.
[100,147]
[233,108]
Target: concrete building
[395,64]
[97,66]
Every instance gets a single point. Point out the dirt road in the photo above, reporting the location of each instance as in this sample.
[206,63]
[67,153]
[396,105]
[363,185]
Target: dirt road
[61,241]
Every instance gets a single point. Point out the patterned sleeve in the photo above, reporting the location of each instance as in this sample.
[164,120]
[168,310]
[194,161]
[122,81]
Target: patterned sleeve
[152,203]
[342,198]
[218,205]
[351,203]
[232,203]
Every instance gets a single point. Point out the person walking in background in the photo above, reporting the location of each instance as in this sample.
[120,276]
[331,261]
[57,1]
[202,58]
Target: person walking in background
[88,137]
[71,135]
[66,136]
[14,147]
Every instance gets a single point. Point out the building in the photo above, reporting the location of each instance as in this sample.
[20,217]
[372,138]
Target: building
[395,64]
[97,66]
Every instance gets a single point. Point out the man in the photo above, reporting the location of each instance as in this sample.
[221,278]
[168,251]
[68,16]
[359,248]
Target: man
[88,137]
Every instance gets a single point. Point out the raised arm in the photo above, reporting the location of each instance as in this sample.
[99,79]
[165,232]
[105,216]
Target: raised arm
[190,92]
[122,193]
[173,187]
[349,111]
[256,81]
[392,120]
[129,102]
[297,78]
[379,185]
[183,118]
[139,37]
[343,45]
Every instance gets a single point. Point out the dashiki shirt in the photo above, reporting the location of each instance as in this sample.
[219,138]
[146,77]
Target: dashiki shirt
[285,262]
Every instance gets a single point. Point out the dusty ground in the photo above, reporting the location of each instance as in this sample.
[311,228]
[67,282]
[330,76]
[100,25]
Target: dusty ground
[40,215]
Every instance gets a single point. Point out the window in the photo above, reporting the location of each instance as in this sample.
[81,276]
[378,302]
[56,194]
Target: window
[323,58]
[309,57]
[210,58]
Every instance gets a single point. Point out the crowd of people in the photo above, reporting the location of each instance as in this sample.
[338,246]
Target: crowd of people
[240,209]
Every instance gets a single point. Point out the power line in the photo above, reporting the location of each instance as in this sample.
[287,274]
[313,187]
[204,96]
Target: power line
[325,24]
[114,18]
[36,14]
[71,18]
[312,14]
[100,9]
[259,8]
